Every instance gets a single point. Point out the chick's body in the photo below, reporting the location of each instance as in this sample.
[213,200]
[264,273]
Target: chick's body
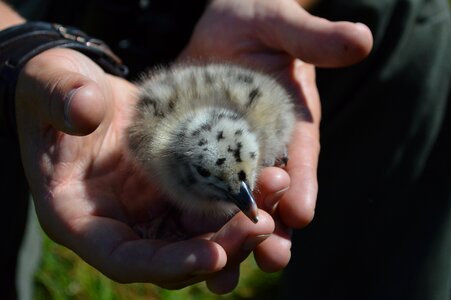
[203,133]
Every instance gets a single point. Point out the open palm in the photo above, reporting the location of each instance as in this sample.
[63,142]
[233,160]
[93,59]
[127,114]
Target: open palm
[89,196]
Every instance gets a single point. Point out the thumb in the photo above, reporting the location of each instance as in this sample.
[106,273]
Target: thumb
[75,104]
[62,98]
[316,40]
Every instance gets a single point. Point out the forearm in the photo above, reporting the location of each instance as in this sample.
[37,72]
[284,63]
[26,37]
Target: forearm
[8,17]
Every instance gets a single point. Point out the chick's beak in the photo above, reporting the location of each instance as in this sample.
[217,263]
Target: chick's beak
[245,202]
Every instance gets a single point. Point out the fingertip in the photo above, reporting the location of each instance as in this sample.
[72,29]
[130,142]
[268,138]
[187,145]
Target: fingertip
[264,226]
[321,42]
[273,182]
[194,257]
[84,109]
[273,254]
[213,258]
[225,281]
[357,42]
[273,179]
[240,236]
[366,34]
[342,43]
[240,227]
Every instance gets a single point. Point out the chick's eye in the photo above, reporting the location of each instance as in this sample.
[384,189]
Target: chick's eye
[202,171]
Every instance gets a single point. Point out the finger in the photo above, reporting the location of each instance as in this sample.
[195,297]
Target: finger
[314,40]
[273,182]
[225,280]
[113,248]
[65,99]
[274,253]
[297,205]
[240,236]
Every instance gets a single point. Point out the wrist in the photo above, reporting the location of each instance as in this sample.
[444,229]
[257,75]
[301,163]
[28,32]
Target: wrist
[8,17]
[19,44]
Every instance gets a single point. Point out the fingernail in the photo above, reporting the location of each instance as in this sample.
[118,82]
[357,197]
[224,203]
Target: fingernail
[67,103]
[272,200]
[253,241]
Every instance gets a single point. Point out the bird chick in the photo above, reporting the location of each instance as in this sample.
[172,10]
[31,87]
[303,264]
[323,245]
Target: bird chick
[203,132]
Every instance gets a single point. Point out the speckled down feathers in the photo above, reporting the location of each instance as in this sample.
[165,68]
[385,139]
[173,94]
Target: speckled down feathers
[199,130]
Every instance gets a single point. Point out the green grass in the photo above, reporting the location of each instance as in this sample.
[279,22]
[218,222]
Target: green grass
[63,275]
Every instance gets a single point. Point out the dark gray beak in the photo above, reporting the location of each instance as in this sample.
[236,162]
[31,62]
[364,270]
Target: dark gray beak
[245,202]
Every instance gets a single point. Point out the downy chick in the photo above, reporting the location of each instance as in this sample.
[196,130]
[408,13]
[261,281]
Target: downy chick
[203,132]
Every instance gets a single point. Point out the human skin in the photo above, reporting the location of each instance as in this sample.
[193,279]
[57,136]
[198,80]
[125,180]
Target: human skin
[9,17]
[71,118]
[281,38]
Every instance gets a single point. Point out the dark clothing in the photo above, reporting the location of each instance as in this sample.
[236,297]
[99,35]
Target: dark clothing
[142,33]
[382,228]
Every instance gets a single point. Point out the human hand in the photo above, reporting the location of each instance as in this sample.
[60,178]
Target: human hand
[71,119]
[280,38]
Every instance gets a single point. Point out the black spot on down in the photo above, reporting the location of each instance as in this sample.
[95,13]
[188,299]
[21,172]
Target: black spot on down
[220,135]
[242,175]
[220,161]
[253,95]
